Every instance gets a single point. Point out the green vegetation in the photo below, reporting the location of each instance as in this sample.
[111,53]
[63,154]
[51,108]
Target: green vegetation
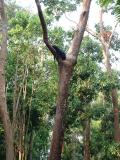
[32,85]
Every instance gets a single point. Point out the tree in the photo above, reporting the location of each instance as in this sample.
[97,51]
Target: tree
[105,36]
[106,42]
[65,69]
[3,104]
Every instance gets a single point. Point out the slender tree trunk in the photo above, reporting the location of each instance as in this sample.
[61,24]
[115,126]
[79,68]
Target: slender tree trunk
[21,137]
[113,96]
[29,156]
[106,42]
[3,104]
[106,46]
[87,140]
[7,127]
[116,115]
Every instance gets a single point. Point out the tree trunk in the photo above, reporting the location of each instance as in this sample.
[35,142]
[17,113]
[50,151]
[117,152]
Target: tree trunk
[116,115]
[21,135]
[65,73]
[106,55]
[29,156]
[3,104]
[87,140]
[59,128]
[114,97]
[7,128]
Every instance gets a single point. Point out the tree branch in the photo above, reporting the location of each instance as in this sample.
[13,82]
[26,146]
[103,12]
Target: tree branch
[109,43]
[44,28]
[70,19]
[102,29]
[101,21]
[94,34]
[78,34]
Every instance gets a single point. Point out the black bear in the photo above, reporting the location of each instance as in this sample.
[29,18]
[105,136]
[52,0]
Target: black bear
[61,54]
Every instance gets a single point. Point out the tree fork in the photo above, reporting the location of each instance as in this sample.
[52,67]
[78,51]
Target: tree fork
[65,72]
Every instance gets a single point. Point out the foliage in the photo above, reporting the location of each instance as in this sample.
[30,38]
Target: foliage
[115,6]
[60,7]
[31,81]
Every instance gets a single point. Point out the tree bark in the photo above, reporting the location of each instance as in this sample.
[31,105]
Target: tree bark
[116,115]
[29,156]
[59,128]
[3,104]
[87,140]
[113,96]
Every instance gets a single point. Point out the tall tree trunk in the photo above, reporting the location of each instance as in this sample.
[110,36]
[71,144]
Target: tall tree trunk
[113,96]
[21,135]
[3,104]
[65,73]
[59,128]
[116,115]
[86,139]
[29,156]
[106,54]
[105,40]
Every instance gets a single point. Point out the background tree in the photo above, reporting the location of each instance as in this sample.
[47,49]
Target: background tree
[105,37]
[3,104]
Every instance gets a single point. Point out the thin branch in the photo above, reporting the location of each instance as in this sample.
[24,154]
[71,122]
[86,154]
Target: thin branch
[44,28]
[18,100]
[94,34]
[78,34]
[15,88]
[102,29]
[101,21]
[70,19]
[43,23]
[112,34]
